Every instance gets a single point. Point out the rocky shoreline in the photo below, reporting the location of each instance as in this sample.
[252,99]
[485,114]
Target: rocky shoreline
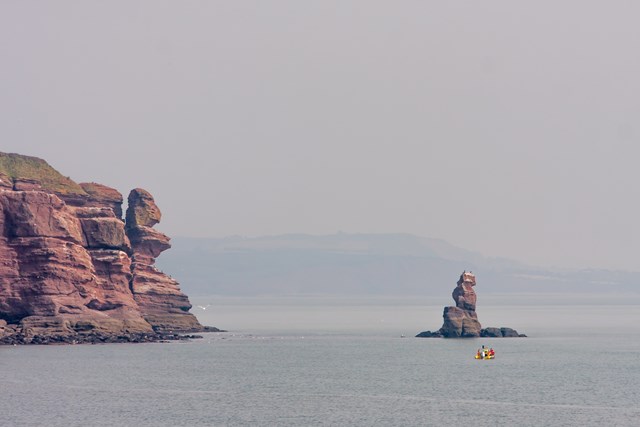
[484,333]
[94,338]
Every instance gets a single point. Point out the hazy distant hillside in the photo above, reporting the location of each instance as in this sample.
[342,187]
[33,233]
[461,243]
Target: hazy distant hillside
[355,264]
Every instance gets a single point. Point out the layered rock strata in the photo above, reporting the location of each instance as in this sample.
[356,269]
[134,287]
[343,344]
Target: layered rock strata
[71,270]
[461,321]
[161,302]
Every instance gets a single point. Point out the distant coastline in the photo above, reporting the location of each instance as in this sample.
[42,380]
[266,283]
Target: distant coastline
[365,264]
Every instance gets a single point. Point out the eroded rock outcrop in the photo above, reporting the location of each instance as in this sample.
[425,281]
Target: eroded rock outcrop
[461,321]
[70,268]
[161,302]
[463,294]
[102,196]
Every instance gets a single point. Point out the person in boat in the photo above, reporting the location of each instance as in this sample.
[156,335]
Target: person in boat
[491,352]
[478,355]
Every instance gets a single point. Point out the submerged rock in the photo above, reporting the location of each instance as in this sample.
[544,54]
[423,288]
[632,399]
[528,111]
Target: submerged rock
[429,334]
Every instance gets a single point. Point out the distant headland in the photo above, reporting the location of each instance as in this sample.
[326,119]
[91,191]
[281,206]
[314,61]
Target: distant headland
[72,270]
[461,321]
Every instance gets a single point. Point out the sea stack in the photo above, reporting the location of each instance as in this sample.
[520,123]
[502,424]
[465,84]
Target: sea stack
[72,270]
[461,321]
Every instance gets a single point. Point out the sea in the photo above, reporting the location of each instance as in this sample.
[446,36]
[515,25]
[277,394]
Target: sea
[334,361]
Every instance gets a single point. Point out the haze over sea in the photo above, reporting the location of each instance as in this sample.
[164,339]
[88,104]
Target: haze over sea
[506,128]
[337,361]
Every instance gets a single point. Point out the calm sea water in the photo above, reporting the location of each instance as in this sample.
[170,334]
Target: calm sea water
[349,367]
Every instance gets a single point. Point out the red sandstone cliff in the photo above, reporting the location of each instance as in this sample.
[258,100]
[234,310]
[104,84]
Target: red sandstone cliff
[161,302]
[70,266]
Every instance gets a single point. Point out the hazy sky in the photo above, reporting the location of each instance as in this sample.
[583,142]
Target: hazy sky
[510,128]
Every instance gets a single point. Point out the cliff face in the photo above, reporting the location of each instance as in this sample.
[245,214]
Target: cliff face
[70,266]
[158,295]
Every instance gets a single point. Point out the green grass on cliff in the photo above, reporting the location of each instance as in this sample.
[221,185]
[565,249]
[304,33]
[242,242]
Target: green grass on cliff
[17,166]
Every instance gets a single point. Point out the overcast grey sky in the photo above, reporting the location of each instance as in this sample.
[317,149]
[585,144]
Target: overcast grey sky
[510,128]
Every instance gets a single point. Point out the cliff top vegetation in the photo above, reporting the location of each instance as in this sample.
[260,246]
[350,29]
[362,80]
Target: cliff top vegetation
[20,167]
